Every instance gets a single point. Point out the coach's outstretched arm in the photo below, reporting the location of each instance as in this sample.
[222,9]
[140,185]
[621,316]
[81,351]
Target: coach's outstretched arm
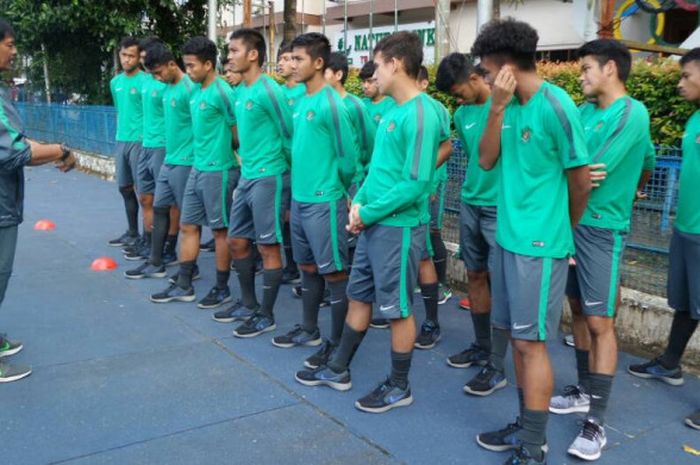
[47,153]
[502,93]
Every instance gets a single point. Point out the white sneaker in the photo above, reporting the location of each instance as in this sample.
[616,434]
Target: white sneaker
[589,444]
[572,400]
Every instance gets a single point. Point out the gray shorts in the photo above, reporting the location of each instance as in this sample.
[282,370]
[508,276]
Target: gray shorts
[8,246]
[427,251]
[170,185]
[684,273]
[258,209]
[150,161]
[437,207]
[595,278]
[126,156]
[385,268]
[477,236]
[208,195]
[527,294]
[319,236]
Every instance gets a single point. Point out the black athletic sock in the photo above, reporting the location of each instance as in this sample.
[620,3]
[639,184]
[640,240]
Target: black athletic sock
[290,265]
[349,343]
[582,369]
[400,366]
[521,402]
[339,308]
[439,256]
[500,338]
[161,219]
[600,387]
[312,287]
[271,286]
[245,269]
[131,205]
[534,432]
[430,300]
[222,279]
[171,244]
[148,237]
[184,277]
[482,330]
[682,329]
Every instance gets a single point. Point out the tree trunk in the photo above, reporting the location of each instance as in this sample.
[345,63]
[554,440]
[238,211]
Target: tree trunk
[290,21]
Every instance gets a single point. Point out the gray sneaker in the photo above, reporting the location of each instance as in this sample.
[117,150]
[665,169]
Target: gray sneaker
[693,420]
[572,400]
[9,373]
[8,347]
[589,444]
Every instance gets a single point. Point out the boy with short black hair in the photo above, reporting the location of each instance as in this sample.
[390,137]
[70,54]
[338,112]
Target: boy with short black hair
[377,104]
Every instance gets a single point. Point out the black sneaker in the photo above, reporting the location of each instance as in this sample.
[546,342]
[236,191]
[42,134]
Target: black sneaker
[142,253]
[195,275]
[9,373]
[325,376]
[474,355]
[693,420]
[429,335]
[501,440]
[174,293]
[298,337]
[486,382]
[169,258]
[379,323]
[522,457]
[385,397]
[8,347]
[146,270]
[655,370]
[208,246]
[291,277]
[124,240]
[322,356]
[135,247]
[216,298]
[296,291]
[236,312]
[255,325]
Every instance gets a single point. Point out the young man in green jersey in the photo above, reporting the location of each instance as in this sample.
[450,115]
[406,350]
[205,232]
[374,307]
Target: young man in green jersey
[617,134]
[684,258]
[387,212]
[151,156]
[459,76]
[179,156]
[377,104]
[232,77]
[323,139]
[257,215]
[214,175]
[126,93]
[533,127]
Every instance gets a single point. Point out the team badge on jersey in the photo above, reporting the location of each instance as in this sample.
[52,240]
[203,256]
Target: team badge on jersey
[391,127]
[249,105]
[525,135]
[133,90]
[173,102]
[377,118]
[154,93]
[290,102]
[599,126]
[310,115]
[202,105]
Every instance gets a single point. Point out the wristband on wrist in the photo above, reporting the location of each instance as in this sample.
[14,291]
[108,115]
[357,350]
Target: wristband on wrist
[66,152]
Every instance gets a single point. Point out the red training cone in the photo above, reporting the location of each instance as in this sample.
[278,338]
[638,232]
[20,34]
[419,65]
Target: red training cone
[103,264]
[44,225]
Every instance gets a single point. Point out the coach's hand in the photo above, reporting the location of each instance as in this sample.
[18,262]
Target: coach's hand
[598,173]
[67,164]
[503,87]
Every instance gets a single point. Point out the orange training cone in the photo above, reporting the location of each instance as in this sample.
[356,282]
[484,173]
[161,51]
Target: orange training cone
[44,225]
[103,264]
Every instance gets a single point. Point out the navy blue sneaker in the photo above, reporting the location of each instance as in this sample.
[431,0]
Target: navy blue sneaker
[169,258]
[486,382]
[174,293]
[322,356]
[209,246]
[385,397]
[325,376]
[429,335]
[125,240]
[255,325]
[522,457]
[474,355]
[236,312]
[298,336]
[195,275]
[146,270]
[501,440]
[216,298]
[655,370]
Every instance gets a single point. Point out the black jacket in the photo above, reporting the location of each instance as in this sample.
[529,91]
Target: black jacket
[15,153]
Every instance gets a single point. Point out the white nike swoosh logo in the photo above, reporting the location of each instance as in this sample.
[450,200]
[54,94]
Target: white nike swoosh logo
[265,236]
[590,304]
[333,302]
[469,126]
[519,327]
[382,308]
[324,265]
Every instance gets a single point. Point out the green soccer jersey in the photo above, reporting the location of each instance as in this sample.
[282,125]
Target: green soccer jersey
[179,148]
[126,93]
[365,130]
[540,140]
[293,94]
[212,118]
[619,137]
[379,109]
[153,119]
[480,187]
[403,165]
[324,148]
[688,211]
[264,128]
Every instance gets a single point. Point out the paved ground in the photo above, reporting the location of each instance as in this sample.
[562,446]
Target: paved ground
[120,380]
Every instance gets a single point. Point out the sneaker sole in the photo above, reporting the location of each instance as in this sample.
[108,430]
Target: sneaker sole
[590,458]
[186,298]
[216,305]
[690,423]
[7,353]
[230,319]
[498,386]
[289,345]
[9,379]
[251,335]
[310,365]
[465,365]
[503,448]
[667,380]
[134,258]
[333,385]
[402,403]
[429,346]
[379,326]
[146,275]
[566,411]
[444,300]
